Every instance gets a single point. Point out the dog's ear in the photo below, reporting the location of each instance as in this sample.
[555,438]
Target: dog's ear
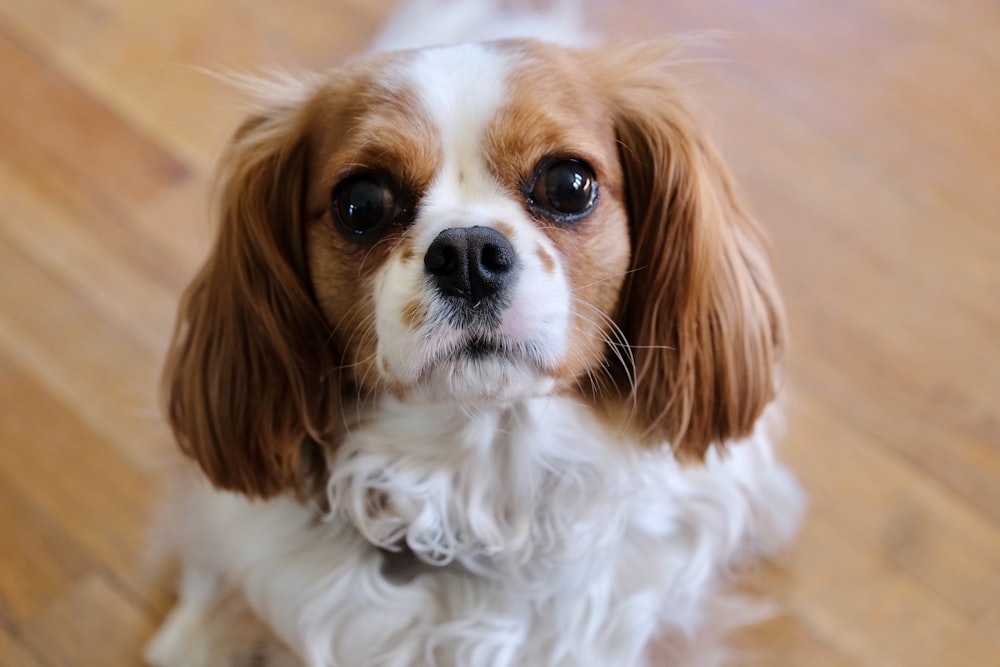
[244,381]
[699,307]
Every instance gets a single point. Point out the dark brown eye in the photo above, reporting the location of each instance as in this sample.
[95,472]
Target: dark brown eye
[364,204]
[564,190]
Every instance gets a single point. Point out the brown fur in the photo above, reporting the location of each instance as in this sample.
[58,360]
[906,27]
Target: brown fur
[244,380]
[366,127]
[414,313]
[699,306]
[505,229]
[555,111]
[257,365]
[545,258]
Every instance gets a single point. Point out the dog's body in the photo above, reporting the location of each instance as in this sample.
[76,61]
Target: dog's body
[487,472]
[590,564]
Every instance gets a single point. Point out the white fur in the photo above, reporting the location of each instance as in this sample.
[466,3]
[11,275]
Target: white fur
[461,89]
[552,548]
[550,540]
[423,23]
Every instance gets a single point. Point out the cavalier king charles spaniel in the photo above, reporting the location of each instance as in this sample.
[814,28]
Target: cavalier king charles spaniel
[479,371]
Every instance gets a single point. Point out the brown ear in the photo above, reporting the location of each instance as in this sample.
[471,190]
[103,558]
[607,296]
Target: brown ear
[245,376]
[700,306]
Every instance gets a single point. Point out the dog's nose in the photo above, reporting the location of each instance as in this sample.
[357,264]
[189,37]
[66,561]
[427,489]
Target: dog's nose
[471,263]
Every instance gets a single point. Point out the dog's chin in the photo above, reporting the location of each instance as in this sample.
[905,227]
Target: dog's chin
[481,371]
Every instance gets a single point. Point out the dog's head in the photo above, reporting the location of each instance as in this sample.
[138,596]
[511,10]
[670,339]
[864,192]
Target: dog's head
[474,224]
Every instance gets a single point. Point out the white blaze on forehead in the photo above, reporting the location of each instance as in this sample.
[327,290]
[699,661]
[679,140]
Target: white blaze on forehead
[461,89]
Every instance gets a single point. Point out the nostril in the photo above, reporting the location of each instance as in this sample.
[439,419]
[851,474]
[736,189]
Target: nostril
[489,251]
[496,258]
[447,263]
[442,260]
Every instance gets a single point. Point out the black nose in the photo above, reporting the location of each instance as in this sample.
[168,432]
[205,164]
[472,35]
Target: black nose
[472,263]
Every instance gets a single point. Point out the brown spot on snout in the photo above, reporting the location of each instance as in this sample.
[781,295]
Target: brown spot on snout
[505,229]
[413,314]
[548,263]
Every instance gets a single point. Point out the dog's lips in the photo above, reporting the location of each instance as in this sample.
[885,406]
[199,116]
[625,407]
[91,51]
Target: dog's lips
[477,348]
[481,369]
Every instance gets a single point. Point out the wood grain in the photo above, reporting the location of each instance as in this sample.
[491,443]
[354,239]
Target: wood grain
[864,135]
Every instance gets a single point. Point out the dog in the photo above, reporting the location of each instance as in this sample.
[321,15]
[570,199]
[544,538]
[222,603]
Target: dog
[482,369]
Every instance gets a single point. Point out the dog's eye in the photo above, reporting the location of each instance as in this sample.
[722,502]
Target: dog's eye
[365,204]
[565,189]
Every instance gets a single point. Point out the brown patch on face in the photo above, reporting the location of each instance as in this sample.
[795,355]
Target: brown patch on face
[545,258]
[505,229]
[413,314]
[557,111]
[362,127]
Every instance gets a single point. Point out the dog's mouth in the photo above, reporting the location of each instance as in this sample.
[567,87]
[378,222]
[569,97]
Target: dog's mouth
[477,367]
[479,348]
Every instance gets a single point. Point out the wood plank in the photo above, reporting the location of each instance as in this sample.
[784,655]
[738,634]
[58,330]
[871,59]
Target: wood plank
[100,372]
[91,625]
[53,463]
[85,420]
[39,560]
[887,509]
[870,611]
[150,75]
[88,164]
[13,651]
[65,242]
[786,642]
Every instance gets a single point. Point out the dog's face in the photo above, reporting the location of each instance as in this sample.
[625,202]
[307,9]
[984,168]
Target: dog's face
[472,224]
[467,233]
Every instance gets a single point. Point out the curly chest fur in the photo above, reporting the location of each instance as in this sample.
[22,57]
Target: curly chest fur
[503,491]
[541,540]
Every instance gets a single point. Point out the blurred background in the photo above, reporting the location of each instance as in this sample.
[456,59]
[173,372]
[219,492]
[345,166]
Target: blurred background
[865,135]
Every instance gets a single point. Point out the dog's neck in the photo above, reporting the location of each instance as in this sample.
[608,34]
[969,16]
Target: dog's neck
[488,487]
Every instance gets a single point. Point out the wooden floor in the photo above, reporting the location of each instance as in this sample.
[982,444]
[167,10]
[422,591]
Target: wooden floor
[865,133]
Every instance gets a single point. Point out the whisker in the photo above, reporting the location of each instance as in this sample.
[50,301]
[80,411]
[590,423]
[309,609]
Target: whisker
[622,339]
[621,349]
[607,278]
[645,347]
